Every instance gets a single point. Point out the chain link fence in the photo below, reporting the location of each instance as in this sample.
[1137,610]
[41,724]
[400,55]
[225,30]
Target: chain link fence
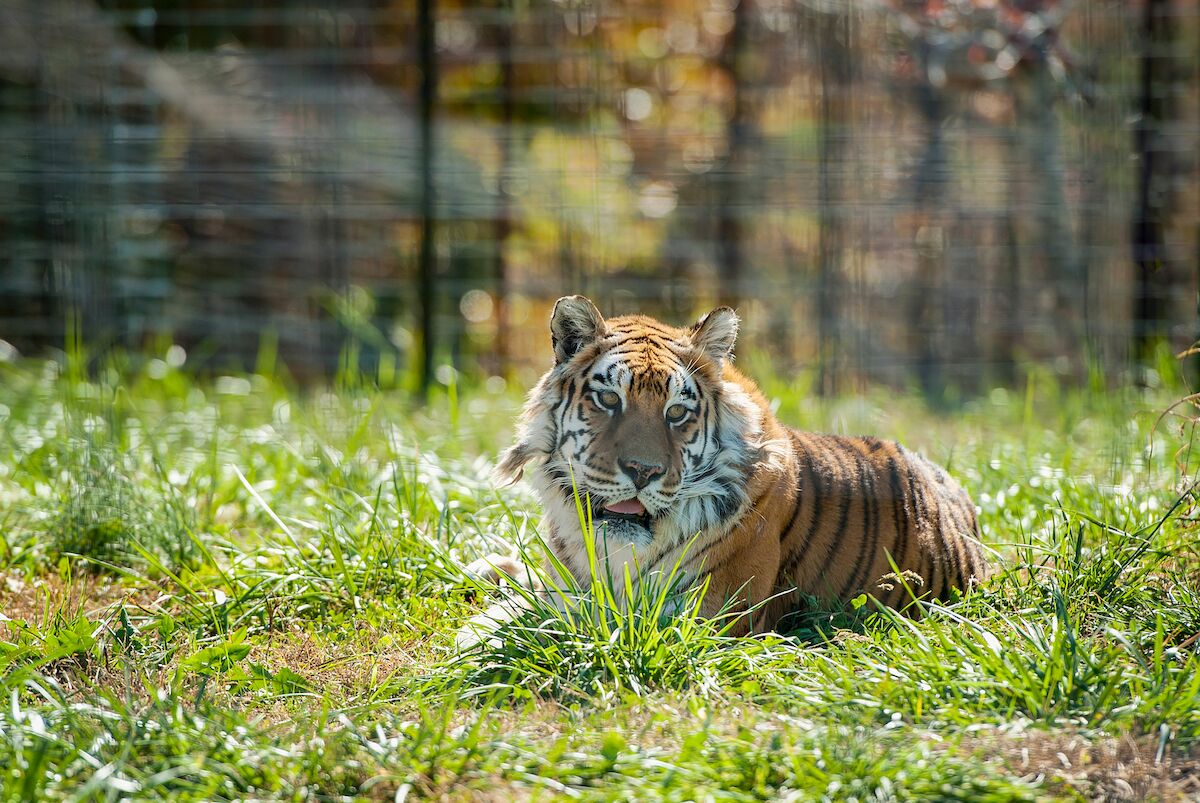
[927,192]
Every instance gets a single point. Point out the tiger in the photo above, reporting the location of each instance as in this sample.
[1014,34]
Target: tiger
[683,467]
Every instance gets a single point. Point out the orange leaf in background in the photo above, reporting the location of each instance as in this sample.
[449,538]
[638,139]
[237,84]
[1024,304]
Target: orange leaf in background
[1014,17]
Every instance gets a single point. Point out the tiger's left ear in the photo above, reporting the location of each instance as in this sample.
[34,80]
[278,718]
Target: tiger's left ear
[716,332]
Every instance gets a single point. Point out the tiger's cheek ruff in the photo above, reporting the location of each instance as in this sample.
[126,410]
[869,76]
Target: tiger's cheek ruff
[535,440]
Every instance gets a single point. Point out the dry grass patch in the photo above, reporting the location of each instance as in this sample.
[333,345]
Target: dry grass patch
[1121,768]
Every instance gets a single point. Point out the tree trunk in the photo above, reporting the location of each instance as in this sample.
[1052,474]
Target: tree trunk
[729,201]
[1157,113]
[930,244]
[503,223]
[832,32]
[1009,325]
[426,261]
[1056,240]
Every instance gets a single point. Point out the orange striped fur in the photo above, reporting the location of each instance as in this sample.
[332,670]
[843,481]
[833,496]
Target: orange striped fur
[638,414]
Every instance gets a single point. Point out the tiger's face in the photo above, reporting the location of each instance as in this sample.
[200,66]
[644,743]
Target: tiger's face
[637,417]
[634,427]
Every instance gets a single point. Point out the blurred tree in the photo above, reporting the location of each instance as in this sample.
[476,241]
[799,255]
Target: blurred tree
[831,32]
[426,267]
[506,133]
[730,200]
[1037,87]
[955,49]
[1157,114]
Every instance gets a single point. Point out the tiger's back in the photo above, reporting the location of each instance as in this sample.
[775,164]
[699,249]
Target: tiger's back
[869,515]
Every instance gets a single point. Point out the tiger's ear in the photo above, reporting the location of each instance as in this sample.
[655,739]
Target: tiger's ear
[574,323]
[716,332]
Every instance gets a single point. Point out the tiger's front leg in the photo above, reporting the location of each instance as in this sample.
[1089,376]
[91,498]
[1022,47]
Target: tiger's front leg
[503,572]
[741,585]
[498,570]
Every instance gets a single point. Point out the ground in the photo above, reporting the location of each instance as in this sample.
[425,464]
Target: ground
[229,588]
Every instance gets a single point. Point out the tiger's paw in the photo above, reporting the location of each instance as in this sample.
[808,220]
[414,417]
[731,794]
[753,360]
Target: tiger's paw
[482,629]
[501,570]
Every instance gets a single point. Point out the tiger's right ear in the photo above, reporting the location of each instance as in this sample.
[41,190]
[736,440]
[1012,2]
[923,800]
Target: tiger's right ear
[574,323]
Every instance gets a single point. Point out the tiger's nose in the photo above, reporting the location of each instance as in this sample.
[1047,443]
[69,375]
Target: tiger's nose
[641,473]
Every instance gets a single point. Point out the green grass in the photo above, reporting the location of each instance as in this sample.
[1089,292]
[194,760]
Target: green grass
[226,588]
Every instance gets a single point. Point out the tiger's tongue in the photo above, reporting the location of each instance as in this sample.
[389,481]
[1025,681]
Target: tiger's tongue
[630,507]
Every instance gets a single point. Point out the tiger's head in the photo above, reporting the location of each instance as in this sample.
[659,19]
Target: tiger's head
[648,422]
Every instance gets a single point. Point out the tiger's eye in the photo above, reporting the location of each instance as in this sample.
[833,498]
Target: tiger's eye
[676,413]
[610,399]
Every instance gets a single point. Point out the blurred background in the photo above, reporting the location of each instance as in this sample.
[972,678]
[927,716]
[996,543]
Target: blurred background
[933,194]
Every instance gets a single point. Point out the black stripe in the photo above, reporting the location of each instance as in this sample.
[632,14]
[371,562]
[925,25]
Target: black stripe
[710,432]
[971,549]
[790,563]
[727,503]
[686,559]
[939,573]
[925,570]
[966,545]
[939,567]
[953,542]
[691,560]
[559,419]
[900,511]
[656,340]
[920,518]
[622,355]
[866,489]
[871,555]
[871,558]
[843,517]
[791,522]
[634,327]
